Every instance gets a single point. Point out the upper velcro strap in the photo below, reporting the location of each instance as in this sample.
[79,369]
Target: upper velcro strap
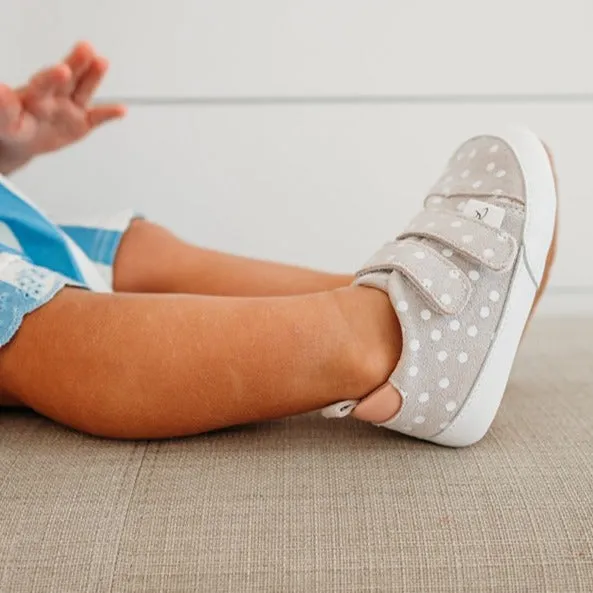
[491,247]
[439,281]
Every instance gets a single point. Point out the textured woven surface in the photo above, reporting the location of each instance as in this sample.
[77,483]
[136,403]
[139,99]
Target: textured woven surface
[313,505]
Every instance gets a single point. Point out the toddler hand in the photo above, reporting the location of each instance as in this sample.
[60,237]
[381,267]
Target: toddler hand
[52,110]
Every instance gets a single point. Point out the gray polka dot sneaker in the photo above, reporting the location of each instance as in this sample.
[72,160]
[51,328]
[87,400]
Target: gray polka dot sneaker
[463,278]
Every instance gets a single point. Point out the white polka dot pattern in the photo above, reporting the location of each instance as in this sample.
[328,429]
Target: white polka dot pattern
[489,169]
[474,239]
[443,353]
[424,267]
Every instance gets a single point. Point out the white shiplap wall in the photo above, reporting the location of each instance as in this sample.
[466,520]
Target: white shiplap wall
[308,131]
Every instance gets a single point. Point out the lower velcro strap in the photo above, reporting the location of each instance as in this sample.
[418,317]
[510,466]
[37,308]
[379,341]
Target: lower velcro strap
[442,284]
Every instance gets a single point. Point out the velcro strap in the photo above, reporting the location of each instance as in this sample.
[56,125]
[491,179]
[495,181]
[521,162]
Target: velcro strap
[445,287]
[491,247]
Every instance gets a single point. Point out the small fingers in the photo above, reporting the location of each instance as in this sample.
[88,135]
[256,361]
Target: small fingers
[90,81]
[38,97]
[47,81]
[79,60]
[105,113]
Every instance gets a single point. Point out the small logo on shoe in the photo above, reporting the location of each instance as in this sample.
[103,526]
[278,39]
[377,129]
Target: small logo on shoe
[484,212]
[480,214]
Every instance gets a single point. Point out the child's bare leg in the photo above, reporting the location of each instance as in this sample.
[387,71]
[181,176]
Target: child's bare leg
[152,259]
[150,366]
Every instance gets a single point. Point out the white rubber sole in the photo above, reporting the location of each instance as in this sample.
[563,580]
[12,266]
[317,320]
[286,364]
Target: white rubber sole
[91,275]
[479,409]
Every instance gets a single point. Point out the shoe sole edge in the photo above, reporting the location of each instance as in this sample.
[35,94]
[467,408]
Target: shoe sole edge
[480,407]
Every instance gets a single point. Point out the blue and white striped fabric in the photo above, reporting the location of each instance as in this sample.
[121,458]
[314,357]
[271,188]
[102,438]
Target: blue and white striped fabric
[38,257]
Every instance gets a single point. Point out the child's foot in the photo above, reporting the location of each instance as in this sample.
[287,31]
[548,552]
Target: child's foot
[463,278]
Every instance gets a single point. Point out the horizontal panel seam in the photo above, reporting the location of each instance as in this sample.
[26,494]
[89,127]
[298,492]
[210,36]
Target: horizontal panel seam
[448,99]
